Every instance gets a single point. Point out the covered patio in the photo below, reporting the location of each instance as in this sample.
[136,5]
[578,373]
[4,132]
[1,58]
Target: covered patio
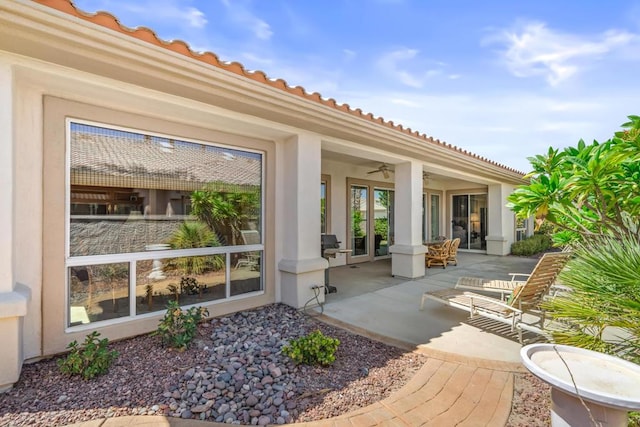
[371,301]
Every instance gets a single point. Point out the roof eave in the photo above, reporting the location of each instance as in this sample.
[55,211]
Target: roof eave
[59,37]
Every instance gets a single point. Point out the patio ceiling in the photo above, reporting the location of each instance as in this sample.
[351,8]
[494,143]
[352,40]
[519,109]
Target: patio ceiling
[373,160]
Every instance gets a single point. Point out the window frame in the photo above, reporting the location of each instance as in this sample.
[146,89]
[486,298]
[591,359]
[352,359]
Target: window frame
[326,180]
[133,257]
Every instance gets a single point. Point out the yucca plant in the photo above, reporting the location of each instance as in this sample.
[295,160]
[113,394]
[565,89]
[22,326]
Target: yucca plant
[602,310]
[194,235]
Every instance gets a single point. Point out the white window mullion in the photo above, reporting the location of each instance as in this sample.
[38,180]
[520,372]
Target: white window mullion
[132,288]
[227,284]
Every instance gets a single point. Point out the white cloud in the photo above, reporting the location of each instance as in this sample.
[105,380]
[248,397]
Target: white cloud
[401,65]
[262,30]
[169,11]
[195,17]
[406,102]
[256,59]
[533,49]
[574,106]
[349,54]
[390,64]
[240,13]
[165,12]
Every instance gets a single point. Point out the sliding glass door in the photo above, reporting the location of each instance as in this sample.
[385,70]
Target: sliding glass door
[469,220]
[430,216]
[359,220]
[371,221]
[383,221]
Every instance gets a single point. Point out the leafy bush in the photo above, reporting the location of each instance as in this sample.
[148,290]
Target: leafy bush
[313,349]
[531,245]
[381,227]
[178,327]
[586,190]
[90,360]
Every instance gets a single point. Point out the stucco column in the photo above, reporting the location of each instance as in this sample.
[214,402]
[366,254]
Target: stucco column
[302,266]
[13,304]
[501,220]
[407,254]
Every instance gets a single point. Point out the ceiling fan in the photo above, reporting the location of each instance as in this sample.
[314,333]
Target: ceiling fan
[384,168]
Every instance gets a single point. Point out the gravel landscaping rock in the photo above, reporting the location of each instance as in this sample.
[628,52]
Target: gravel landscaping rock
[234,373]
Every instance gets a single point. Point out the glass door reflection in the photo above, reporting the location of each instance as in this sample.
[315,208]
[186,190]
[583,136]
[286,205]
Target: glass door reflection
[359,220]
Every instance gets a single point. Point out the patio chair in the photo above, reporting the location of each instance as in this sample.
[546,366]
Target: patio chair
[526,298]
[453,252]
[250,259]
[544,273]
[438,254]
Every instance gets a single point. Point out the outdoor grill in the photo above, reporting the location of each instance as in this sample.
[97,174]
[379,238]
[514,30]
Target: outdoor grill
[330,247]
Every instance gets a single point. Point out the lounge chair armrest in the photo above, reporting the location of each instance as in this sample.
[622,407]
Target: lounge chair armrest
[558,288]
[493,301]
[514,275]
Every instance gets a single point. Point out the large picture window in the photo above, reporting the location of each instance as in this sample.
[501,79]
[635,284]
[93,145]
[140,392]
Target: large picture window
[153,218]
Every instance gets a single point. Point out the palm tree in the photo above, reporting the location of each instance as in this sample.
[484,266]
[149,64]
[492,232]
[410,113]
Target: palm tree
[602,310]
[194,235]
[226,213]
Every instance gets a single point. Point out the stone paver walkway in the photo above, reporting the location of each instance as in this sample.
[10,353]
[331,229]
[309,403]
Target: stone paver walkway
[449,390]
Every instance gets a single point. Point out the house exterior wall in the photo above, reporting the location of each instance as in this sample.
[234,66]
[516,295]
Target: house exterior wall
[338,172]
[501,220]
[55,334]
[32,308]
[302,267]
[53,65]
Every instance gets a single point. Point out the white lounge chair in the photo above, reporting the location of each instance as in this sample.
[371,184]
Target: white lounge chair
[544,273]
[250,259]
[525,297]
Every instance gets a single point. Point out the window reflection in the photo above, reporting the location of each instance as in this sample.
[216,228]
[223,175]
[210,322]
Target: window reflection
[246,276]
[131,190]
[188,280]
[137,193]
[98,292]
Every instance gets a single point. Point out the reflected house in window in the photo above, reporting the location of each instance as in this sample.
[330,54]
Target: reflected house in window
[133,193]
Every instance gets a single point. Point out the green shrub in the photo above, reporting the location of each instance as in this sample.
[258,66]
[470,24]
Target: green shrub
[531,245]
[90,360]
[178,327]
[312,349]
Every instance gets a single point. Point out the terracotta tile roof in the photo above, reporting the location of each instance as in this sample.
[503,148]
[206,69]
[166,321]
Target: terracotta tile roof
[105,236]
[107,20]
[124,159]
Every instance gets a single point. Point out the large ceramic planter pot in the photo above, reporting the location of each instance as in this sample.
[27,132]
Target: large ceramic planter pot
[587,386]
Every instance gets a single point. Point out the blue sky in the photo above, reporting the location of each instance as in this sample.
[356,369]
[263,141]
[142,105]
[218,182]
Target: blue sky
[503,79]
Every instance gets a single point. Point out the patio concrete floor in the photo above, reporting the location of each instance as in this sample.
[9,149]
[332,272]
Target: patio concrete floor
[371,301]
